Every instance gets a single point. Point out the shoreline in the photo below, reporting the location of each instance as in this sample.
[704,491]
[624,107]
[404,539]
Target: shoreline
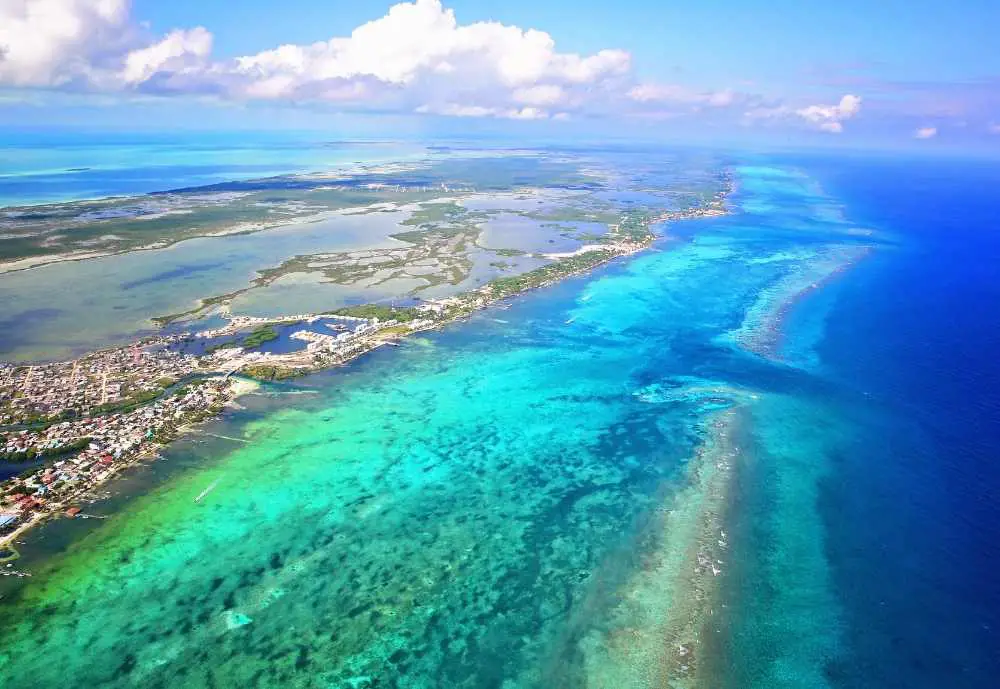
[481,299]
[242,386]
[457,309]
[147,451]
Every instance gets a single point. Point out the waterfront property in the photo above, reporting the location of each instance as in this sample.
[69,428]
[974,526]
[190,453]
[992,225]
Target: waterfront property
[111,407]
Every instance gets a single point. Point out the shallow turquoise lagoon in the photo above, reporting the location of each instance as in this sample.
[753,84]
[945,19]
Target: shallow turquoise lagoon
[548,495]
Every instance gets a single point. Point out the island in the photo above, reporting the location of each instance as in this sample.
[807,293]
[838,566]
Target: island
[68,427]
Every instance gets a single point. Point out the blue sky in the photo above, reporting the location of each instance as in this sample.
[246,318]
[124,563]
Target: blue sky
[917,73]
[719,41]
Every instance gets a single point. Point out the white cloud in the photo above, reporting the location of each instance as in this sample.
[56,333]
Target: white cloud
[419,53]
[45,43]
[680,95]
[457,110]
[548,94]
[417,56]
[993,128]
[827,118]
[830,118]
[527,114]
[925,133]
[178,51]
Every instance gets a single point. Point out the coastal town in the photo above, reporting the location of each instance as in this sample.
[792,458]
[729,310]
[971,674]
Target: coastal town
[71,426]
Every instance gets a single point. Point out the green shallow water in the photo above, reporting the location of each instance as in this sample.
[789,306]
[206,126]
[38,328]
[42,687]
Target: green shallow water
[524,500]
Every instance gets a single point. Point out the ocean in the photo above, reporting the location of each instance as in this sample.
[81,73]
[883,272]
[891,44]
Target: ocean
[761,454]
[912,505]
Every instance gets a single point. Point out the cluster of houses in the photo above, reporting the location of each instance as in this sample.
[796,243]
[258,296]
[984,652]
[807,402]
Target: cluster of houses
[348,341]
[100,378]
[72,456]
[349,338]
[110,442]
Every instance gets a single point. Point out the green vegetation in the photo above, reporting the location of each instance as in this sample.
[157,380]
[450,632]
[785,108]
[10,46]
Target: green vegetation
[268,372]
[137,400]
[395,330]
[429,214]
[602,214]
[222,345]
[47,453]
[203,304]
[508,286]
[430,233]
[263,334]
[403,314]
[171,430]
[122,224]
[41,421]
[144,397]
[634,226]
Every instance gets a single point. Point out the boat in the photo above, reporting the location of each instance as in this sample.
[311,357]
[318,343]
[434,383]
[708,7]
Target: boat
[207,490]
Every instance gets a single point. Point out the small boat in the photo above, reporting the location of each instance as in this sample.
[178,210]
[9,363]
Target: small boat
[208,490]
[570,320]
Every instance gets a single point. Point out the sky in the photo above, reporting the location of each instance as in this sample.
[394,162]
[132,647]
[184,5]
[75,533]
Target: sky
[849,73]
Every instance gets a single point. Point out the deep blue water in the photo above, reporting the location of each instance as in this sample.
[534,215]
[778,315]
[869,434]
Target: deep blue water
[912,506]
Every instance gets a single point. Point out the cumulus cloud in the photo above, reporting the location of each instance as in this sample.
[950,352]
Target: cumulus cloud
[830,118]
[827,118]
[47,43]
[925,133]
[422,42]
[178,51]
[417,56]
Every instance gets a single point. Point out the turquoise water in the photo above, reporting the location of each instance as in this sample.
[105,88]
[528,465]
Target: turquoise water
[49,167]
[554,494]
